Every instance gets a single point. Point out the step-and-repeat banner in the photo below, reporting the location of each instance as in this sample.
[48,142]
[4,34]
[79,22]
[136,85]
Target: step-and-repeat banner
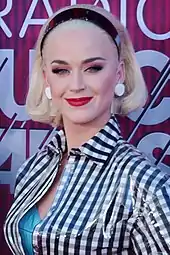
[148,22]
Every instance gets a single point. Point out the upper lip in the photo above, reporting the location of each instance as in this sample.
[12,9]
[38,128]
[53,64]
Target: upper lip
[78,98]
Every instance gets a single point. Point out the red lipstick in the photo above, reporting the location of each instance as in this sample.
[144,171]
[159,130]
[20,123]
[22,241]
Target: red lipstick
[78,101]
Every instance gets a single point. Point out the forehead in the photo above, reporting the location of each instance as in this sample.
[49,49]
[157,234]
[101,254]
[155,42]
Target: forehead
[79,41]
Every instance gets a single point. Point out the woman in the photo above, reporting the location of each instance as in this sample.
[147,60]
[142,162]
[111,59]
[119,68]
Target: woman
[88,191]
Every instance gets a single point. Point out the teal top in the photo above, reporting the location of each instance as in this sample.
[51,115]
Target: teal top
[26,228]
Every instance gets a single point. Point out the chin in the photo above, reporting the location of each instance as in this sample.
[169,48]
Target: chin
[81,118]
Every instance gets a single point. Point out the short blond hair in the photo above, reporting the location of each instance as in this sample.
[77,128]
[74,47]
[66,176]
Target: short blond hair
[41,109]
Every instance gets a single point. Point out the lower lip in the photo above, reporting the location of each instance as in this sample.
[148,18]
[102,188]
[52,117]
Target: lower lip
[78,102]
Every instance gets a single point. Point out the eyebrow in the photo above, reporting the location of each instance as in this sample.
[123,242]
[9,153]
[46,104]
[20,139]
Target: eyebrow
[86,61]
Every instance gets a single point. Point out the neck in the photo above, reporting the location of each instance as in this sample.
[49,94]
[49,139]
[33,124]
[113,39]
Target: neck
[78,134]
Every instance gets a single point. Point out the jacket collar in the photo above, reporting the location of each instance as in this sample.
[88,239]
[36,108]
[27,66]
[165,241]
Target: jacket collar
[98,148]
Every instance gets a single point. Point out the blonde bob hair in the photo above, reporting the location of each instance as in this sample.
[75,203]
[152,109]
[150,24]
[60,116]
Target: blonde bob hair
[41,109]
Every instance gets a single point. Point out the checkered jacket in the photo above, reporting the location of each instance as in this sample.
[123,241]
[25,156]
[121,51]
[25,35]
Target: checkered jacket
[110,199]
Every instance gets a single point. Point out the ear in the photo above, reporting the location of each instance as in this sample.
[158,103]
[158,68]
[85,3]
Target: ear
[47,88]
[120,74]
[48,92]
[45,78]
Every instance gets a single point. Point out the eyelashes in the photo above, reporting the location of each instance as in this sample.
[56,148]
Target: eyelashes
[64,71]
[95,68]
[59,71]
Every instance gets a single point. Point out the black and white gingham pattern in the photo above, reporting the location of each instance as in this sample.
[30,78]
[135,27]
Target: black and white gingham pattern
[110,200]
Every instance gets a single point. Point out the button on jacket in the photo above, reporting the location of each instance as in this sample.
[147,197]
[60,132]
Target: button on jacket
[110,199]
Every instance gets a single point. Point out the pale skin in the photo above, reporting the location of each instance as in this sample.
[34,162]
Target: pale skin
[74,68]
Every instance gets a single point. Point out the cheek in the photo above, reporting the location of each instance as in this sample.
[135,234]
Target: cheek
[106,81]
[57,87]
[106,86]
[56,92]
[54,82]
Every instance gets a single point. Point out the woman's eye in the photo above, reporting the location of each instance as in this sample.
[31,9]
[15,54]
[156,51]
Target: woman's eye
[60,71]
[94,69]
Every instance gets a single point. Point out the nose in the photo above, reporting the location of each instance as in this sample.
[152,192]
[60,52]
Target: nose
[76,82]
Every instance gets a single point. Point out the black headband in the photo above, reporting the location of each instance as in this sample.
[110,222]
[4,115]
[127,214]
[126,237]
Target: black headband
[83,14]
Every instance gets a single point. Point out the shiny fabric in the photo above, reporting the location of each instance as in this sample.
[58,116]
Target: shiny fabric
[110,199]
[26,228]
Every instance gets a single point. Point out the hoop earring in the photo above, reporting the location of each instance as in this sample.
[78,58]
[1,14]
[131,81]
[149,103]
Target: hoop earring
[119,89]
[48,93]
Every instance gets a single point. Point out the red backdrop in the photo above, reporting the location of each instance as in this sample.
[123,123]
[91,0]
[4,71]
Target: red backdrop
[148,22]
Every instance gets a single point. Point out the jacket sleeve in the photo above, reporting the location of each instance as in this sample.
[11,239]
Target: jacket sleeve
[151,231]
[23,172]
[34,166]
